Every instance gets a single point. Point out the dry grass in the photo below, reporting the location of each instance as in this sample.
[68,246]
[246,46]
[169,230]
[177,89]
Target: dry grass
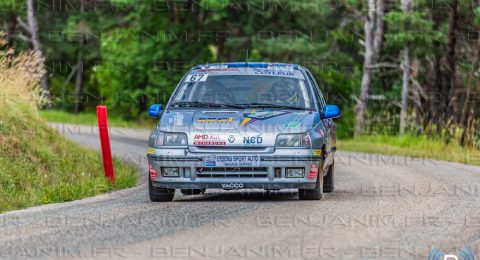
[19,77]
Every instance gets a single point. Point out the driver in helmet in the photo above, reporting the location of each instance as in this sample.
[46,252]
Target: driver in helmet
[282,93]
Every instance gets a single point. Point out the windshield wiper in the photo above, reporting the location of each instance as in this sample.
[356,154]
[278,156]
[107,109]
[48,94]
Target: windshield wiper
[203,104]
[266,105]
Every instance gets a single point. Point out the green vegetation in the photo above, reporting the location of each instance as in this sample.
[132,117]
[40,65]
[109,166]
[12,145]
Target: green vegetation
[414,146]
[393,67]
[37,164]
[86,118]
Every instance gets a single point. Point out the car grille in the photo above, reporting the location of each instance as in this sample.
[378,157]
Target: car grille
[231,148]
[232,172]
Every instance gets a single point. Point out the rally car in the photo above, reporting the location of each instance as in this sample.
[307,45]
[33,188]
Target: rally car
[243,126]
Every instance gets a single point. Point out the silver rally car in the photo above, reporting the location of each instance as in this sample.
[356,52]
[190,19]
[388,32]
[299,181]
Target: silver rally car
[243,126]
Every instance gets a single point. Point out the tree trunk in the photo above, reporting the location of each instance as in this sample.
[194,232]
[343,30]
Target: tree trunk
[435,93]
[405,87]
[406,6]
[35,39]
[451,62]
[418,97]
[378,38]
[373,40]
[367,63]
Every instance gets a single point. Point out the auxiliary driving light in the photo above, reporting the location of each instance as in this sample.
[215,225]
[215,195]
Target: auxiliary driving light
[278,172]
[295,173]
[170,172]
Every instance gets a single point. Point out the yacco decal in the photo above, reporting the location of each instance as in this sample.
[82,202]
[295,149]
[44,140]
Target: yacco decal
[253,116]
[215,120]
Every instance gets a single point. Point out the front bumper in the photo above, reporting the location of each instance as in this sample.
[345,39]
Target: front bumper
[194,175]
[233,185]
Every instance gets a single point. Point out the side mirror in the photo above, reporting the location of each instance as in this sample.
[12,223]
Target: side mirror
[331,111]
[154,110]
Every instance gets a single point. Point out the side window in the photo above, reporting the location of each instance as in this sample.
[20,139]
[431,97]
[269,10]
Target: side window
[317,91]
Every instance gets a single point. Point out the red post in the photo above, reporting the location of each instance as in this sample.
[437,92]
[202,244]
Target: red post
[105,143]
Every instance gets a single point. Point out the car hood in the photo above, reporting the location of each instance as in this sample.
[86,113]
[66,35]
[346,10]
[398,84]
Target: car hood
[220,127]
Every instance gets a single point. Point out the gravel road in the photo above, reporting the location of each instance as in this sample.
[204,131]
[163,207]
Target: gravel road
[384,207]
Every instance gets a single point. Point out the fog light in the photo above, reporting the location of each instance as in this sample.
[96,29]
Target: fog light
[295,173]
[278,172]
[170,172]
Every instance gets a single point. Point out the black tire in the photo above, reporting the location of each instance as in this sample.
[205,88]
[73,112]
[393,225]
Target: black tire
[192,191]
[160,194]
[329,179]
[315,194]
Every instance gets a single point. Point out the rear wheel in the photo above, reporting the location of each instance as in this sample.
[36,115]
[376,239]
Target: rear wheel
[160,194]
[192,191]
[315,194]
[328,180]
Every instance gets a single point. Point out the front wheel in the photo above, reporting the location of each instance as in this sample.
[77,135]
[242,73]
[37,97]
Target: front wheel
[315,194]
[160,194]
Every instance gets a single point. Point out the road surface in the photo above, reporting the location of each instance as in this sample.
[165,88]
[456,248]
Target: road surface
[384,207]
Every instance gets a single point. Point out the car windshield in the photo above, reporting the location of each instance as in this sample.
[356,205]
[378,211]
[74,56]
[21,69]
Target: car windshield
[242,91]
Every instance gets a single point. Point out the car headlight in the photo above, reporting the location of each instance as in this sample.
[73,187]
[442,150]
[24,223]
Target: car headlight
[293,140]
[171,139]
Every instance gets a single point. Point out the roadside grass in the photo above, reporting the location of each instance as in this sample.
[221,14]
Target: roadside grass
[37,164]
[90,118]
[413,146]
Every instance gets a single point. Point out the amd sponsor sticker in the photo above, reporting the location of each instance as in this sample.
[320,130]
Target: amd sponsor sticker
[208,140]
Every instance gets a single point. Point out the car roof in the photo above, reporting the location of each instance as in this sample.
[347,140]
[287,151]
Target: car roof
[251,65]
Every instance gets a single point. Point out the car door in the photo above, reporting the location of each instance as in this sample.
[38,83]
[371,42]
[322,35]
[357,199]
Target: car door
[330,139]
